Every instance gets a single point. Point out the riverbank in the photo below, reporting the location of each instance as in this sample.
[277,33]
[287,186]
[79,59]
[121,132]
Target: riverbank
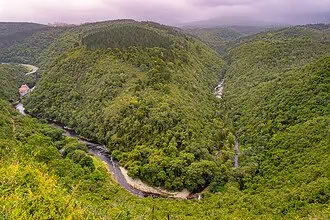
[133,186]
[138,184]
[120,174]
[32,69]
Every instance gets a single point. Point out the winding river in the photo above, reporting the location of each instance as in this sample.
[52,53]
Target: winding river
[33,69]
[134,186]
[102,153]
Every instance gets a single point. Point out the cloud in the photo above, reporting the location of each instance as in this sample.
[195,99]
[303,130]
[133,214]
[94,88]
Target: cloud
[165,11]
[215,3]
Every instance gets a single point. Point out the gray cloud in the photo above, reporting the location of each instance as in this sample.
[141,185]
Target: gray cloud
[216,3]
[165,11]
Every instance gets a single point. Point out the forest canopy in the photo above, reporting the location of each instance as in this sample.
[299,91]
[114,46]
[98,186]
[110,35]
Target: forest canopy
[148,97]
[125,36]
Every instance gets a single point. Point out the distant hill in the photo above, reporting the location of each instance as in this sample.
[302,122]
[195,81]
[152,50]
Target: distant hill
[13,33]
[25,42]
[284,20]
[221,38]
[226,21]
[12,28]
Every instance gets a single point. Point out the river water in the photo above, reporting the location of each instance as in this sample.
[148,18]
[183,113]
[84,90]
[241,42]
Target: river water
[103,154]
[219,93]
[96,149]
[134,186]
[219,89]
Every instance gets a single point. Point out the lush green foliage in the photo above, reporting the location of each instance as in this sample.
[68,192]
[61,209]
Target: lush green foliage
[30,49]
[278,91]
[125,36]
[37,182]
[25,42]
[11,78]
[11,28]
[12,33]
[217,38]
[153,107]
[222,38]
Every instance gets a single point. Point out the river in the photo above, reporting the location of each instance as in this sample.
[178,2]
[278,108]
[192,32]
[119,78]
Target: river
[134,186]
[32,69]
[101,152]
[218,91]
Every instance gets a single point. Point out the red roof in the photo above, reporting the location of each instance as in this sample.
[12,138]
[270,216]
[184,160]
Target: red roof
[24,88]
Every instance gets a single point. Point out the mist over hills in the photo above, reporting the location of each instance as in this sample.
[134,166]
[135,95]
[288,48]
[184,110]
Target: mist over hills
[234,20]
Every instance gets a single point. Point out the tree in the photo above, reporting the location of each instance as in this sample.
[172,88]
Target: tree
[200,174]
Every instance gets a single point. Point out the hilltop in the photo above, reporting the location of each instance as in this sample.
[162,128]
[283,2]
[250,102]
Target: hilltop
[146,91]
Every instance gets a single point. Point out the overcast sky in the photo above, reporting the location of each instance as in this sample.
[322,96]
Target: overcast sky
[164,11]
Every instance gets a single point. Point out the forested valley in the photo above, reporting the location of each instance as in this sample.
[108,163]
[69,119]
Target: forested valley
[146,91]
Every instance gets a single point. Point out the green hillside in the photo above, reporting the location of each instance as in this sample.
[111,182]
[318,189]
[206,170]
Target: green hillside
[222,38]
[12,28]
[125,36]
[218,38]
[153,107]
[11,78]
[14,32]
[277,92]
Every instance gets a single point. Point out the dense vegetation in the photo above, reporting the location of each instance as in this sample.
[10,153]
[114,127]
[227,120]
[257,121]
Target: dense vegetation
[222,38]
[278,92]
[12,33]
[30,49]
[125,36]
[12,28]
[37,182]
[217,38]
[11,78]
[154,109]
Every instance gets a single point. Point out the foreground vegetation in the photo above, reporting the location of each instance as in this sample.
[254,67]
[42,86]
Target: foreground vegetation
[38,182]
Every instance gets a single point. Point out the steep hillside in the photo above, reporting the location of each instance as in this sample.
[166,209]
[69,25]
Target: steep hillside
[153,107]
[217,38]
[222,38]
[38,182]
[29,47]
[277,92]
[30,166]
[11,78]
[14,32]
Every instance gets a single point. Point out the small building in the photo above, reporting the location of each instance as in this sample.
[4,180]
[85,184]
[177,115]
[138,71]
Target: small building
[24,90]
